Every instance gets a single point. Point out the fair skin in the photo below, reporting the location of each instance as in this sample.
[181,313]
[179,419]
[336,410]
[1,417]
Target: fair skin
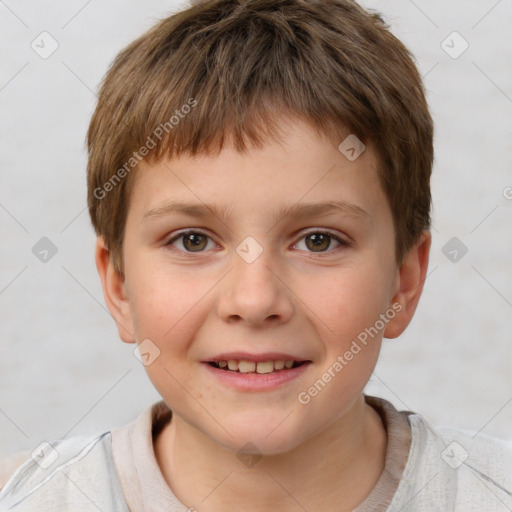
[196,301]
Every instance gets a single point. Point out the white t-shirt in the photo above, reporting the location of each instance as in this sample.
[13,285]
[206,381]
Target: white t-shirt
[426,469]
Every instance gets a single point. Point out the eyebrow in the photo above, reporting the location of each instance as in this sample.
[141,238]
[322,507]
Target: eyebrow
[297,211]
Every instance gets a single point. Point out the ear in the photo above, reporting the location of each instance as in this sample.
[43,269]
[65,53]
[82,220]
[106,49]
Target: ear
[114,291]
[410,279]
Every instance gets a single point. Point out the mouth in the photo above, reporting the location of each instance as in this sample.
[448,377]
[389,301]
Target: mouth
[264,372]
[260,367]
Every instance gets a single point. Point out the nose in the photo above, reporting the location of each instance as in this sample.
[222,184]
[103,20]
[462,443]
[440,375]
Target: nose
[256,292]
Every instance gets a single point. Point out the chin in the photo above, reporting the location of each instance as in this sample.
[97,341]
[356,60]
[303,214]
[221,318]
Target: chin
[261,437]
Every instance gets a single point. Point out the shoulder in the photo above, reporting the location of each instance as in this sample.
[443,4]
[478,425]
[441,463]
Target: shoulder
[465,448]
[77,471]
[9,464]
[456,469]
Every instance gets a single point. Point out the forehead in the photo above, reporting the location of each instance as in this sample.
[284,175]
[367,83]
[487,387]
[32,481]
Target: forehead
[293,173]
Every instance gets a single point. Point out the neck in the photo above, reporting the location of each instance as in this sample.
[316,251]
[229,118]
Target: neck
[341,465]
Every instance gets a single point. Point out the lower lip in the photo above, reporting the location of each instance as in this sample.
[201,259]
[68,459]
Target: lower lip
[257,381]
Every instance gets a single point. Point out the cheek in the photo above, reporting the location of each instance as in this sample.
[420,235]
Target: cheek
[168,312]
[346,301]
[350,305]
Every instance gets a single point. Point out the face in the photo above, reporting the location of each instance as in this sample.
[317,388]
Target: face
[260,270]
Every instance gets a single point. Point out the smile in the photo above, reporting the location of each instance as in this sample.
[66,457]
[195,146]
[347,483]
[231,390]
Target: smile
[241,366]
[260,374]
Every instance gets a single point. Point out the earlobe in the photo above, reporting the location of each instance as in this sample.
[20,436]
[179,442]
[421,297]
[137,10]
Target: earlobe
[411,278]
[114,292]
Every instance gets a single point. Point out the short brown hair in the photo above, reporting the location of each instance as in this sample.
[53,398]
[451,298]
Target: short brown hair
[224,68]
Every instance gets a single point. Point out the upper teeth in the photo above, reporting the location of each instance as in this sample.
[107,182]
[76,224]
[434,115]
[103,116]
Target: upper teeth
[252,366]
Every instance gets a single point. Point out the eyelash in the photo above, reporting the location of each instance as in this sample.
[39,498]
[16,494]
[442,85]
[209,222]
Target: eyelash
[343,243]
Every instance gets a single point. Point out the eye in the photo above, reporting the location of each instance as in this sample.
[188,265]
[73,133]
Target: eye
[191,241]
[321,241]
[196,241]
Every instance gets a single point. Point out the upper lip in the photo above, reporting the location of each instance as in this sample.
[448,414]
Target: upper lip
[246,356]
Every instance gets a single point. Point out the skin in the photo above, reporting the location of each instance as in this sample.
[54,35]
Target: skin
[293,298]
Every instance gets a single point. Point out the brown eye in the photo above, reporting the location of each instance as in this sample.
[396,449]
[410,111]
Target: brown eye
[191,241]
[194,242]
[318,242]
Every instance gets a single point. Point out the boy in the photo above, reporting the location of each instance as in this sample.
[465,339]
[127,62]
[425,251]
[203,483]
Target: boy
[258,179]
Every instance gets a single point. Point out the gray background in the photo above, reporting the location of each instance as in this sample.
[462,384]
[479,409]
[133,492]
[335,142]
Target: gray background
[63,369]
